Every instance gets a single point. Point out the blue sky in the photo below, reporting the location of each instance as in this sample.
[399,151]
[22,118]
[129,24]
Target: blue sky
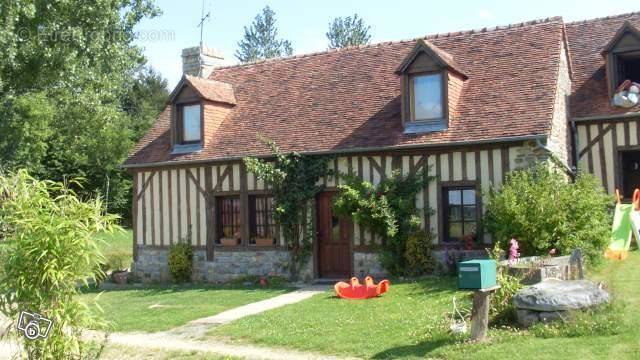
[305,23]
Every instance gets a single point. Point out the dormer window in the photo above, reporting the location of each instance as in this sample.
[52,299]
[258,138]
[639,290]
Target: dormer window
[431,87]
[199,106]
[622,55]
[426,95]
[189,124]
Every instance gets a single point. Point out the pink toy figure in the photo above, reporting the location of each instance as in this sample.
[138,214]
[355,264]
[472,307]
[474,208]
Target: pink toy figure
[552,252]
[513,251]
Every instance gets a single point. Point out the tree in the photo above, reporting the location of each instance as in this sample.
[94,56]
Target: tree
[348,31]
[65,74]
[48,250]
[145,98]
[261,41]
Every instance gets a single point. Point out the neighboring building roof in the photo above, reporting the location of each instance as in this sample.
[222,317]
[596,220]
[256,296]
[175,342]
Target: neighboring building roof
[587,39]
[350,98]
[217,91]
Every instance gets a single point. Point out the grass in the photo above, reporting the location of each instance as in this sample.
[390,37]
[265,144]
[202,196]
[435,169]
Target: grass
[409,318]
[117,245]
[411,321]
[158,308]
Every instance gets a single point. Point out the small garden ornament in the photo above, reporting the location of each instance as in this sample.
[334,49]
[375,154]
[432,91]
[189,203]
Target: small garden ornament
[513,251]
[457,326]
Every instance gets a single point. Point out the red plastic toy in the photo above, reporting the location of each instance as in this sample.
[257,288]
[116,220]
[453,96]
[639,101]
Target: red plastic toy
[355,290]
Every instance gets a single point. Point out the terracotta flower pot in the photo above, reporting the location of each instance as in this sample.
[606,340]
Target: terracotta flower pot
[260,241]
[120,277]
[228,241]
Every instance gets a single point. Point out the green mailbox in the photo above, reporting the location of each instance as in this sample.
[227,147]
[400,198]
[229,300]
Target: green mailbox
[476,274]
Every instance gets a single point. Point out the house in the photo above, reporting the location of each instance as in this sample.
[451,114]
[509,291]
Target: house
[470,106]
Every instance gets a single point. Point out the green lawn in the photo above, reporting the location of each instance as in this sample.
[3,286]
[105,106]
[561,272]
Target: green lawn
[411,322]
[118,244]
[158,308]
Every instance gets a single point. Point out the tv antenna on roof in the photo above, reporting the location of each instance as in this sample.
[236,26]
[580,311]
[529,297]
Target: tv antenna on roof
[203,18]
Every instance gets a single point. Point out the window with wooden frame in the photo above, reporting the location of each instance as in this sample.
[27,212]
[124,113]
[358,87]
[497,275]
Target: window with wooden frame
[426,94]
[228,220]
[261,223]
[189,124]
[460,208]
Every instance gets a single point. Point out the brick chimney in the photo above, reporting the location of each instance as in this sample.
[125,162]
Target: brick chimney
[200,61]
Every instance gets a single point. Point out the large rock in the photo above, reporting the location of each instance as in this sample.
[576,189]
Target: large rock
[557,295]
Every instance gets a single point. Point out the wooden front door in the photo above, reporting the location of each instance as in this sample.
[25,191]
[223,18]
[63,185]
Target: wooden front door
[630,172]
[334,237]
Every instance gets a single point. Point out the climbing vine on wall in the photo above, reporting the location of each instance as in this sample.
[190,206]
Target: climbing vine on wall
[293,178]
[389,210]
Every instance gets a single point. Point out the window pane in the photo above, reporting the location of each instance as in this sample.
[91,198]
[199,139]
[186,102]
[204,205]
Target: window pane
[427,97]
[455,213]
[470,228]
[191,119]
[455,231]
[470,213]
[454,197]
[263,224]
[229,217]
[469,197]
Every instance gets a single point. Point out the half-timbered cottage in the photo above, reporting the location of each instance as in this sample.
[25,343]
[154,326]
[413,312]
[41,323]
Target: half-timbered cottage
[468,106]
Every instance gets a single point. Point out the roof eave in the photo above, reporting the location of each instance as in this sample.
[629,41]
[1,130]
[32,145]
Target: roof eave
[351,150]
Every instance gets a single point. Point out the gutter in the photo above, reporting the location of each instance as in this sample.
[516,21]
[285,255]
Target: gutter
[606,117]
[346,151]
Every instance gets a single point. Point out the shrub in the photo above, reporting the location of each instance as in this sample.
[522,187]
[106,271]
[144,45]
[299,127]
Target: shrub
[544,211]
[181,261]
[418,253]
[389,210]
[50,249]
[502,310]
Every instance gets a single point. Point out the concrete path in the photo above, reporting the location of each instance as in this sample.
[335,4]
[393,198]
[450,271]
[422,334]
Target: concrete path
[166,341]
[188,337]
[260,306]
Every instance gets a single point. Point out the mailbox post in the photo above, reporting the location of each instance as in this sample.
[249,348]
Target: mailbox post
[480,276]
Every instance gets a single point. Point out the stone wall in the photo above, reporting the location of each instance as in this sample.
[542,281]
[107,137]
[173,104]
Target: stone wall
[447,260]
[559,141]
[152,265]
[528,155]
[367,264]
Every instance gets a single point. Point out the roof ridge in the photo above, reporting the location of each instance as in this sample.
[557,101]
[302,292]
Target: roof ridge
[382,43]
[584,21]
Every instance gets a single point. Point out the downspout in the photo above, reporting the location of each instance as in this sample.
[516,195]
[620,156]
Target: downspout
[574,150]
[555,159]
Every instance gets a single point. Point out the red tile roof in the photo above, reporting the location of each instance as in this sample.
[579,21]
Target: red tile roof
[217,91]
[586,40]
[350,98]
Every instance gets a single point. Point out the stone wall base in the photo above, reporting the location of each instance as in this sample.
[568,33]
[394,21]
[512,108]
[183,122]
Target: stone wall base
[152,265]
[447,260]
[367,264]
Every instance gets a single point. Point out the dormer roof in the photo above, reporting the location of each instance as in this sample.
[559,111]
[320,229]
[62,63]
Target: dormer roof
[206,89]
[626,28]
[439,56]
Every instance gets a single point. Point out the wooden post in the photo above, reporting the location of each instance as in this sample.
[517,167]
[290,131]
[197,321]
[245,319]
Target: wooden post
[480,313]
